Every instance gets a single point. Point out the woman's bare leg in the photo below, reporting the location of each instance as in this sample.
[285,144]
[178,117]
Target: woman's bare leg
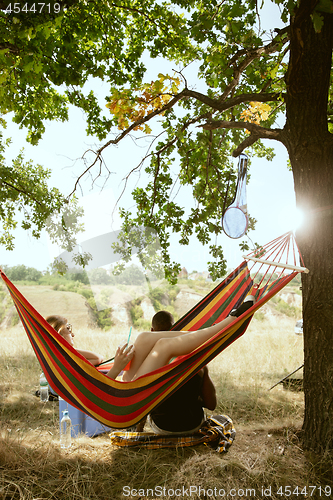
[167,347]
[143,344]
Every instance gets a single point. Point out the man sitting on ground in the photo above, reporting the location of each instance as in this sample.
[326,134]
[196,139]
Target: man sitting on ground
[182,412]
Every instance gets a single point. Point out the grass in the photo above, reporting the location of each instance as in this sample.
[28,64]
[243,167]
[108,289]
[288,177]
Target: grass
[266,455]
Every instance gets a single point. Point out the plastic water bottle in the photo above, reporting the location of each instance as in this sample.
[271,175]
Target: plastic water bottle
[43,388]
[65,430]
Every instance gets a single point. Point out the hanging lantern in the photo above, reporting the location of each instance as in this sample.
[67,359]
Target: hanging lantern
[235,219]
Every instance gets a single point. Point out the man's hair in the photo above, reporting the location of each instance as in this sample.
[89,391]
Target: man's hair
[162,321]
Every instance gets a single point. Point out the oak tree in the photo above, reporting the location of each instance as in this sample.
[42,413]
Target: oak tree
[248,78]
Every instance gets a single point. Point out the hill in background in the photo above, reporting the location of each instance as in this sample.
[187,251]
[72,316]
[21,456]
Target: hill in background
[103,306]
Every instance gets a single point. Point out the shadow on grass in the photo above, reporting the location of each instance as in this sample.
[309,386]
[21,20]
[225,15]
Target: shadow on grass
[25,411]
[43,470]
[19,361]
[33,465]
[19,407]
[96,470]
[245,405]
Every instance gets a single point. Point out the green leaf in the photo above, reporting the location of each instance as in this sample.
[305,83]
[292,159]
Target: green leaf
[318,21]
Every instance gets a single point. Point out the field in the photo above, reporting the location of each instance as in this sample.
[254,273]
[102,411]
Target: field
[265,461]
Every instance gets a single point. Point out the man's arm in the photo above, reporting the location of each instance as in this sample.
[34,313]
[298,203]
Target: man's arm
[208,391]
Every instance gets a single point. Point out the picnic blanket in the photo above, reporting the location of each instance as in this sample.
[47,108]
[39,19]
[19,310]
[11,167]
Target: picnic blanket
[217,432]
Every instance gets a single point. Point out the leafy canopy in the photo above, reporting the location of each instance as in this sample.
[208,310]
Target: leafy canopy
[48,60]
[24,189]
[28,201]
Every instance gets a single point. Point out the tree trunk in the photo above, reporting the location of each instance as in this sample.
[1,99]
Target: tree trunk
[310,148]
[316,245]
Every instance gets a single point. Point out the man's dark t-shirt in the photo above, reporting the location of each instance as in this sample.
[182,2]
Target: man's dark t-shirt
[182,411]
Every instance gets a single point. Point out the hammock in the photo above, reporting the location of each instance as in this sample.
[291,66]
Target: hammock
[120,404]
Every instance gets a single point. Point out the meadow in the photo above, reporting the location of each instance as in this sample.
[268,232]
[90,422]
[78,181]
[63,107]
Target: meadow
[266,459]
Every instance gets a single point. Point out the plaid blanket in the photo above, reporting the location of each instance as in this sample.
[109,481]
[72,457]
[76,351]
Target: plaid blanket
[216,432]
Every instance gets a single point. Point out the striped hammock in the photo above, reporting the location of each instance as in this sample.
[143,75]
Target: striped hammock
[120,404]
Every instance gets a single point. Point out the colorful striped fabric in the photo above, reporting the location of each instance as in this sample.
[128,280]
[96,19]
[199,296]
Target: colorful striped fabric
[214,307]
[120,404]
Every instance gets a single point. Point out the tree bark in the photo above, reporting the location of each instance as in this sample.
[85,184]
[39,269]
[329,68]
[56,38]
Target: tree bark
[310,148]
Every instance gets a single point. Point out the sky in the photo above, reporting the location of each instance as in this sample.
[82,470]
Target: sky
[270,192]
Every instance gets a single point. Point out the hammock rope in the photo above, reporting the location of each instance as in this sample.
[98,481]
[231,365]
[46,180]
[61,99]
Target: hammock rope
[285,247]
[120,404]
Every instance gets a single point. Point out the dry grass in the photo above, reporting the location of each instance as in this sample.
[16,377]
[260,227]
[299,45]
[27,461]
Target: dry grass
[266,453]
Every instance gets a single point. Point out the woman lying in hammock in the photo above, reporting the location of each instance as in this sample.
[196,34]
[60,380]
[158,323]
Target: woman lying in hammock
[152,350]
[61,325]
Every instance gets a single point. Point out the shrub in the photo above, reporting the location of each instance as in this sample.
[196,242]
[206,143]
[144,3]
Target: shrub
[81,276]
[172,292]
[136,312]
[143,325]
[156,295]
[22,273]
[15,319]
[99,276]
[102,318]
[131,275]
[87,294]
[259,316]
[282,307]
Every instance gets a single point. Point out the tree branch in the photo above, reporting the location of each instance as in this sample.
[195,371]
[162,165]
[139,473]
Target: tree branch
[9,46]
[141,12]
[221,104]
[158,152]
[77,182]
[215,104]
[143,120]
[126,132]
[243,52]
[251,139]
[251,55]
[257,132]
[155,187]
[22,191]
[218,105]
[262,132]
